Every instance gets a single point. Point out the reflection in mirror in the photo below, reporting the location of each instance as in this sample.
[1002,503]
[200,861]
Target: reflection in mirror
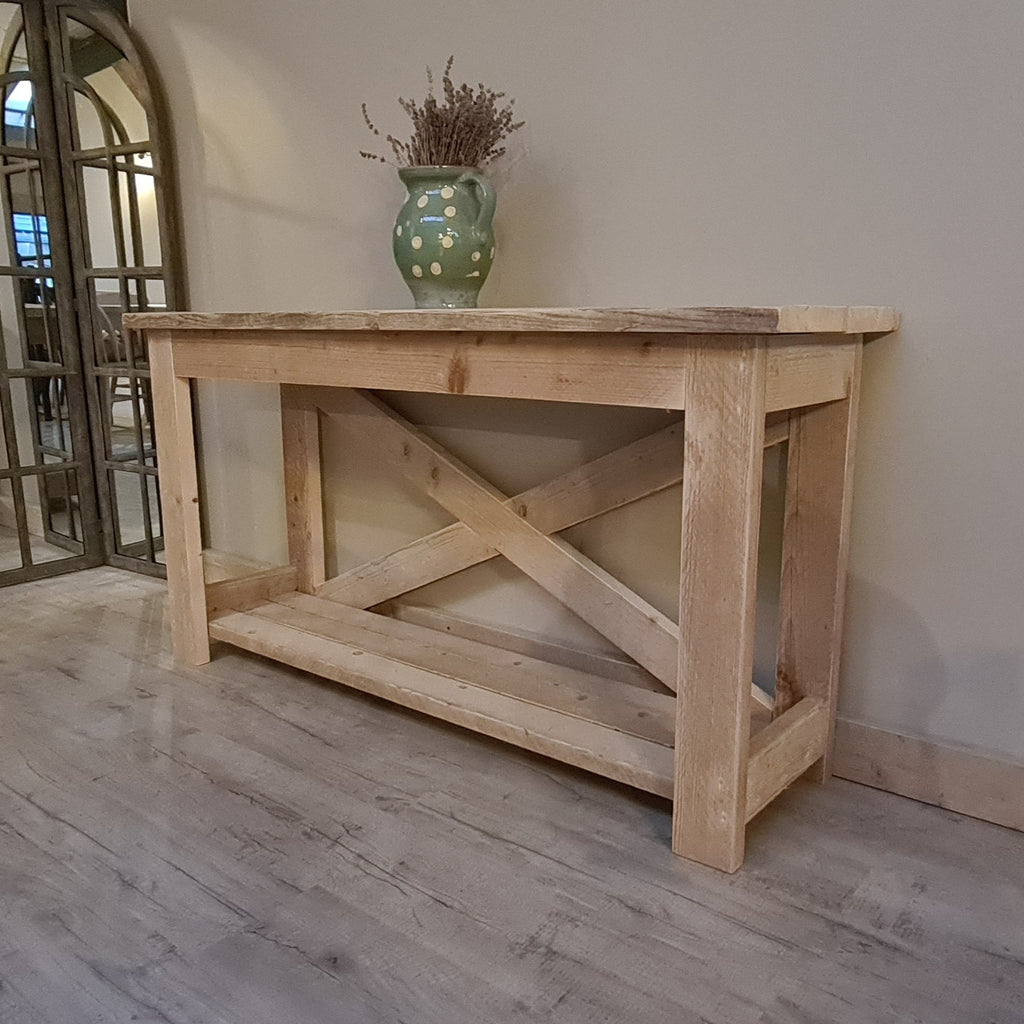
[62,344]
[111,82]
[128,422]
[19,129]
[53,419]
[88,124]
[108,337]
[40,412]
[27,303]
[59,500]
[125,416]
[52,518]
[120,213]
[145,185]
[10,549]
[5,461]
[19,124]
[14,348]
[130,521]
[146,406]
[22,409]
[99,241]
[153,493]
[156,295]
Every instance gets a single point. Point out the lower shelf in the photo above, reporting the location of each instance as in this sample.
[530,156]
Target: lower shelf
[607,727]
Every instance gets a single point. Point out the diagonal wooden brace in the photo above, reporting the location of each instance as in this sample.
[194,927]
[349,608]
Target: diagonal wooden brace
[596,596]
[628,474]
[644,467]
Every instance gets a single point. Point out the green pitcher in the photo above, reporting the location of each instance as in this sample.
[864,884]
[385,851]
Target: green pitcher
[443,240]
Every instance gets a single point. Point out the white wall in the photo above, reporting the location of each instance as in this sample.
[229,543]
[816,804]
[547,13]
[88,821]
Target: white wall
[676,153]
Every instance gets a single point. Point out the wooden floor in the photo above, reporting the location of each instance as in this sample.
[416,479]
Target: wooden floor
[245,844]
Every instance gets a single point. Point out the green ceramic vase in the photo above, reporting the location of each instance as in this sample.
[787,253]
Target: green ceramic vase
[443,239]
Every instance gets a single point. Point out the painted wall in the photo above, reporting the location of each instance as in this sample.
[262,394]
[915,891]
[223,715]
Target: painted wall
[676,153]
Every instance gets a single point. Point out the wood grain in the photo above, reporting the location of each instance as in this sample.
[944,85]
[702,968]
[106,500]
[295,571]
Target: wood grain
[721,512]
[248,591]
[638,370]
[225,565]
[782,751]
[179,496]
[635,471]
[727,368]
[597,597]
[580,694]
[607,665]
[701,319]
[815,553]
[303,490]
[801,374]
[597,747]
[960,780]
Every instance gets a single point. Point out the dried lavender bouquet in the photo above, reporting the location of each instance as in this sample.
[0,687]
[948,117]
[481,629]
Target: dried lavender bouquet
[467,129]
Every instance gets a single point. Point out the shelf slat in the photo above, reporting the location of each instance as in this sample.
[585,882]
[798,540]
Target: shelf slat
[643,713]
[383,661]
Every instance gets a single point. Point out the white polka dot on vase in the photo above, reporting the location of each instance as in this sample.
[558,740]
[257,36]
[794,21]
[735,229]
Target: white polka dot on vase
[417,270]
[398,230]
[435,269]
[422,201]
[476,273]
[450,211]
[447,192]
[447,241]
[476,257]
[416,242]
[492,252]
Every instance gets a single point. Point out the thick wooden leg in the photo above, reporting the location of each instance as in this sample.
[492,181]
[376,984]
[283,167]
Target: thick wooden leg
[179,494]
[816,545]
[721,515]
[300,436]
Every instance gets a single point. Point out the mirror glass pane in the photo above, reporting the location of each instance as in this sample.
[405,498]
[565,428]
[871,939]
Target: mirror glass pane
[10,549]
[59,501]
[23,411]
[100,240]
[153,496]
[107,81]
[130,525]
[19,124]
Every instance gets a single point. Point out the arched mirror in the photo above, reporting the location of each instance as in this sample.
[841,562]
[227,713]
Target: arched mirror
[86,196]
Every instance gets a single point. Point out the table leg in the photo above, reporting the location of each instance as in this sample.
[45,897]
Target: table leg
[300,437]
[179,495]
[724,427]
[815,553]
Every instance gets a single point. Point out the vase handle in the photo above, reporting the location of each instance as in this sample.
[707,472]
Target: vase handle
[487,197]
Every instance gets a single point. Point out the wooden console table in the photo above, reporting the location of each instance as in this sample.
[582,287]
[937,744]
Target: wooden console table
[745,378]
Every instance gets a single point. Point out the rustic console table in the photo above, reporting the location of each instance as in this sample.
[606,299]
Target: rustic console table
[745,378]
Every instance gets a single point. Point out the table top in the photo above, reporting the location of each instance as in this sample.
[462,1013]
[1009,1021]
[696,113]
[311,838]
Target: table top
[688,320]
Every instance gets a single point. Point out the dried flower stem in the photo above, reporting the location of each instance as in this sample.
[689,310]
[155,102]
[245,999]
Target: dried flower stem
[465,130]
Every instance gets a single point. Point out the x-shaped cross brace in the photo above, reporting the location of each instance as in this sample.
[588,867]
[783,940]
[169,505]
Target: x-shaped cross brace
[520,528]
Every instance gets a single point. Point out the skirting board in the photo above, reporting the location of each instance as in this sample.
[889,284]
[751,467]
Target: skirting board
[961,781]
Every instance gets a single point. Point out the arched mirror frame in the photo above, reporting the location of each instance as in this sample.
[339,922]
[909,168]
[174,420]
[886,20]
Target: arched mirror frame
[112,359]
[112,365]
[50,475]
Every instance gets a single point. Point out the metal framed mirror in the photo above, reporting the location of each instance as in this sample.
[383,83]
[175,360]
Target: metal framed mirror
[90,234]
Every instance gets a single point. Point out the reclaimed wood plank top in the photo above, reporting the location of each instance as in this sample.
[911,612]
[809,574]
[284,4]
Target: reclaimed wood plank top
[689,320]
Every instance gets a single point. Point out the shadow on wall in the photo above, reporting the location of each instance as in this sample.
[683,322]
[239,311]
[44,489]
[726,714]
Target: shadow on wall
[896,676]
[537,214]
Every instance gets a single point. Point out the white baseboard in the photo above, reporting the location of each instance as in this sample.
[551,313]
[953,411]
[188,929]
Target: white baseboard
[959,780]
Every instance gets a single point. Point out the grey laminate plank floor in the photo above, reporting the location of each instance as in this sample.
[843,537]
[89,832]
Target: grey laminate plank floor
[243,843]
